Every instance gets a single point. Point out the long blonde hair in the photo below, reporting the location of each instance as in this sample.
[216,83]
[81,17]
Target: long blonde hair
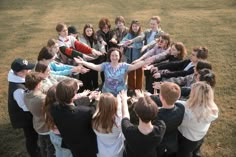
[104,117]
[201,101]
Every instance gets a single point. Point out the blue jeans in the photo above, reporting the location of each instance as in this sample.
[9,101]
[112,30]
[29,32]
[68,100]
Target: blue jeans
[56,141]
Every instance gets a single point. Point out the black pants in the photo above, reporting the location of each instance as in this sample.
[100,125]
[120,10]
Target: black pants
[187,147]
[46,146]
[31,139]
[90,80]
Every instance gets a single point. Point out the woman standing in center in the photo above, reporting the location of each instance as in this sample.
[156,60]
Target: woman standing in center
[114,70]
[133,52]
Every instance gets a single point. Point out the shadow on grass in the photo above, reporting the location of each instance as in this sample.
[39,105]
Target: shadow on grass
[12,143]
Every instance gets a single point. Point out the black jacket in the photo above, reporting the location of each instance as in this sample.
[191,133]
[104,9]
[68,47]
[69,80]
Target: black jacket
[74,125]
[18,117]
[172,118]
[176,69]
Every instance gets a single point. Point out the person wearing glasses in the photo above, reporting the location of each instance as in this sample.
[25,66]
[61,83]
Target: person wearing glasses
[162,44]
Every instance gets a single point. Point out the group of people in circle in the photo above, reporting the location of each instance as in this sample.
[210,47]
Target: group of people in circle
[65,112]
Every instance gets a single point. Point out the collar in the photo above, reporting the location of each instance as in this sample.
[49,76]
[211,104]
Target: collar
[12,77]
[63,39]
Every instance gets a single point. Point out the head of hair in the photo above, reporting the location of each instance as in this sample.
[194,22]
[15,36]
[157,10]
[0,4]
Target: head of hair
[146,109]
[51,42]
[103,22]
[104,118]
[201,52]
[120,19]
[201,100]
[66,90]
[170,92]
[181,48]
[32,79]
[131,30]
[157,18]
[166,36]
[93,36]
[49,101]
[41,67]
[60,27]
[110,51]
[45,54]
[208,76]
[202,64]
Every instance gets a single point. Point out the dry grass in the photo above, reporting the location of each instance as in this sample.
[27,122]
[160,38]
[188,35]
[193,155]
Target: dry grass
[26,25]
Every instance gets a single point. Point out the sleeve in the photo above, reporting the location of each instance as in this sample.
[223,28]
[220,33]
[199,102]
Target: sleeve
[160,57]
[139,38]
[181,81]
[60,69]
[82,47]
[149,53]
[178,73]
[127,37]
[151,44]
[173,66]
[69,52]
[161,128]
[19,97]
[60,77]
[99,36]
[104,64]
[126,66]
[125,124]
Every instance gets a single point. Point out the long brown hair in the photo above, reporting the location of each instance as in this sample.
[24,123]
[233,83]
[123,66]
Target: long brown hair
[181,48]
[131,30]
[93,36]
[50,99]
[104,117]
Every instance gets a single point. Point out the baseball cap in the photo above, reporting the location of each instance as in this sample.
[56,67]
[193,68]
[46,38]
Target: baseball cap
[21,64]
[72,30]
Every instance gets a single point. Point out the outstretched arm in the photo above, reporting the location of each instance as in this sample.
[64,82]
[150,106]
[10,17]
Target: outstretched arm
[88,64]
[139,64]
[123,98]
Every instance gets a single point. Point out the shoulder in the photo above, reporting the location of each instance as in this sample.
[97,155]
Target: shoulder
[159,126]
[124,64]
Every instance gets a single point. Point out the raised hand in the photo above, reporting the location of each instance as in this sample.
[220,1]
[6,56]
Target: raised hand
[88,58]
[84,70]
[156,85]
[95,95]
[96,53]
[157,75]
[144,48]
[78,60]
[139,93]
[154,69]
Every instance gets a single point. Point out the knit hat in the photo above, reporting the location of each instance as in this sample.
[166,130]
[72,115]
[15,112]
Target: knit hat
[21,64]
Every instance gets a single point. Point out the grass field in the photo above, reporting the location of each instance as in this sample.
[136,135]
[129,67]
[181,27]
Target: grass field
[26,25]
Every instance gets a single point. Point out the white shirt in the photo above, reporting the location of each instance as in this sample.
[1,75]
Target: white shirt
[68,41]
[191,128]
[111,144]
[18,94]
[190,65]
